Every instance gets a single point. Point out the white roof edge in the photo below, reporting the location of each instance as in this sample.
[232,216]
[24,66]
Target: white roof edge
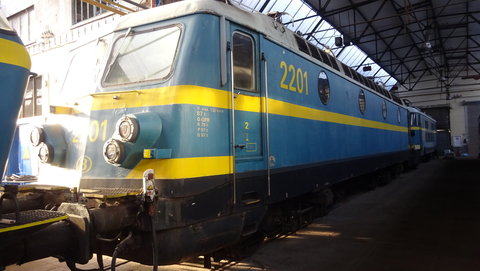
[257,21]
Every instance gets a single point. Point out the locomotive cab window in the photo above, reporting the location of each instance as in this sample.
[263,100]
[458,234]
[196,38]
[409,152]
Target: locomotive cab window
[243,62]
[323,87]
[142,56]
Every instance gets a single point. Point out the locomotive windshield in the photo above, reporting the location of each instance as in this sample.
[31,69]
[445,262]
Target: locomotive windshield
[82,71]
[142,56]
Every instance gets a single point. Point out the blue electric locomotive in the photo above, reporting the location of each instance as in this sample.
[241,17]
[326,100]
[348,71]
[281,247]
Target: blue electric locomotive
[244,124]
[14,72]
[422,135]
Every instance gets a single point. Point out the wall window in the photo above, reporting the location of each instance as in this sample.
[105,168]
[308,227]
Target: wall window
[362,103]
[323,87]
[83,11]
[24,24]
[32,101]
[243,62]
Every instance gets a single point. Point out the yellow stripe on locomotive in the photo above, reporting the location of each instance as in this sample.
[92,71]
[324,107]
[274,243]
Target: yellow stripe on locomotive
[14,53]
[203,96]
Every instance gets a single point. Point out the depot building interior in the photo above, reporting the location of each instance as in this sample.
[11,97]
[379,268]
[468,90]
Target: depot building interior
[425,52]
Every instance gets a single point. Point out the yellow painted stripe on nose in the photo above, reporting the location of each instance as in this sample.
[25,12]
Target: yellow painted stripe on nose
[14,54]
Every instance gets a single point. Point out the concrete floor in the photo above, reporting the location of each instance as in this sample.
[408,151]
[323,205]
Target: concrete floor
[426,219]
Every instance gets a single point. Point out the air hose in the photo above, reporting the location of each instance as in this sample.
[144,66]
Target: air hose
[150,198]
[154,245]
[120,248]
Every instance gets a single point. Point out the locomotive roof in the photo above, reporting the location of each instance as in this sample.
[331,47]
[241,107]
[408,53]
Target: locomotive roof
[261,23]
[413,109]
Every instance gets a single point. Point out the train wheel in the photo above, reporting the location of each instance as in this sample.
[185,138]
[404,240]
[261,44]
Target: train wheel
[397,170]
[326,198]
[385,177]
[246,247]
[373,181]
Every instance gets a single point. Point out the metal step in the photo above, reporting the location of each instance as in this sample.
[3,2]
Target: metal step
[110,193]
[29,219]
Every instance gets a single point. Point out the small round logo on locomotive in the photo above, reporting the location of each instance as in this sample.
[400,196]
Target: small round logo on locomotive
[84,163]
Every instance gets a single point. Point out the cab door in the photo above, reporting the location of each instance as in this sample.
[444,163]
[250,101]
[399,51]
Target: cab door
[248,145]
[414,136]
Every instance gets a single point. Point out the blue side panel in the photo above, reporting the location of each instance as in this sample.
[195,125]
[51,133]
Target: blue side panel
[199,57]
[13,166]
[297,141]
[26,150]
[195,141]
[324,141]
[13,38]
[13,80]
[19,159]
[343,93]
[417,138]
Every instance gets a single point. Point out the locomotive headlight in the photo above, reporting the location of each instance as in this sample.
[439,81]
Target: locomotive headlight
[134,135]
[113,151]
[37,136]
[45,153]
[127,128]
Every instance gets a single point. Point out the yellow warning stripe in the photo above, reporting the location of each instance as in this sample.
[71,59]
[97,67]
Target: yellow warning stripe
[203,96]
[102,195]
[416,128]
[14,54]
[33,224]
[184,94]
[298,111]
[184,167]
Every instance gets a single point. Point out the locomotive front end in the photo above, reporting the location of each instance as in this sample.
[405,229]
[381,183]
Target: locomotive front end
[14,71]
[164,113]
[139,151]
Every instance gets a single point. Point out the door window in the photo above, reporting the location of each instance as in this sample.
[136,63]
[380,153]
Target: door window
[243,62]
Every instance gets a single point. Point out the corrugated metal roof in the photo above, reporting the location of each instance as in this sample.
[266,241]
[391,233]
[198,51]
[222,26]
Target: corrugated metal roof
[416,41]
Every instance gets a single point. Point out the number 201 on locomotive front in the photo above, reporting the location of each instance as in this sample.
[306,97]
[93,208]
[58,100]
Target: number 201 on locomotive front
[96,130]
